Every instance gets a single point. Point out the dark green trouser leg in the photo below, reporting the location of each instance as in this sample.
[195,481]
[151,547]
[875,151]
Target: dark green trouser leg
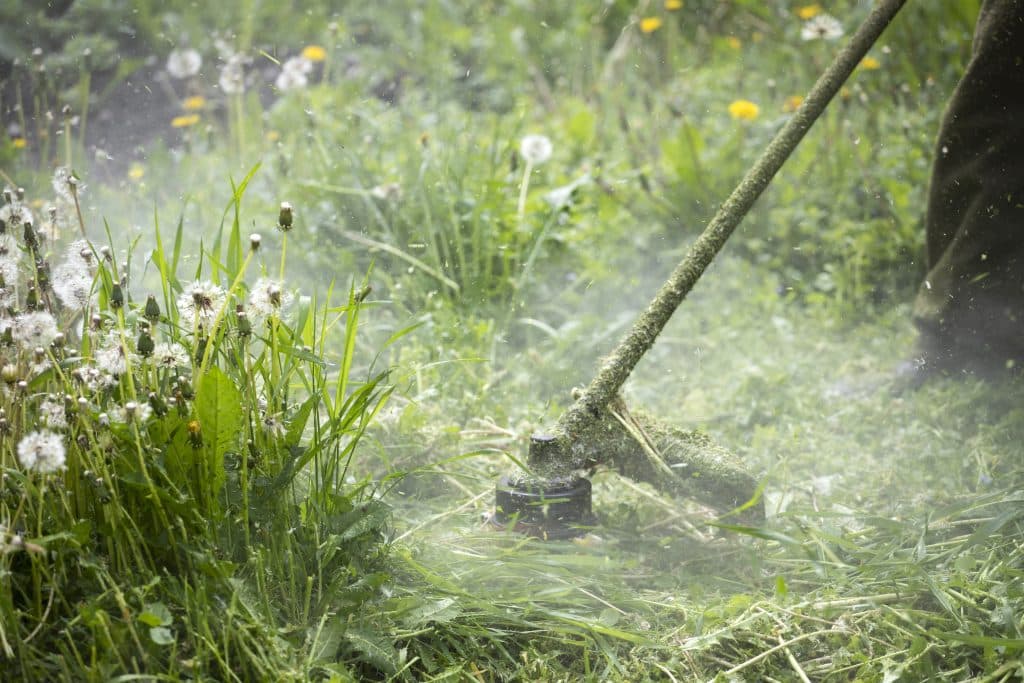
[971,306]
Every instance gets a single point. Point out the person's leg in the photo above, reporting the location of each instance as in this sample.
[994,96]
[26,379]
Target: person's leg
[970,308]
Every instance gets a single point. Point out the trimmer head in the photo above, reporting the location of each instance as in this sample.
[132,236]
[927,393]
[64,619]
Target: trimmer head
[555,509]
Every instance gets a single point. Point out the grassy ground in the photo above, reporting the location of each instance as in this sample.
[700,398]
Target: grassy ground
[342,536]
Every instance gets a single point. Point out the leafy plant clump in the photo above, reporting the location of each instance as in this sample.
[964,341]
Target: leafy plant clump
[175,454]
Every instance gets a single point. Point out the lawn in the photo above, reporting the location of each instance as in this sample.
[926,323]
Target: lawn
[286,291]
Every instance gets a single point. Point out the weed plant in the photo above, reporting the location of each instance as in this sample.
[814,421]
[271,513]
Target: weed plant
[221,515]
[175,457]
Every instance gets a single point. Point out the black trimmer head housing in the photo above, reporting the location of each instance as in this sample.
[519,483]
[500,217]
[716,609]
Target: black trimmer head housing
[555,509]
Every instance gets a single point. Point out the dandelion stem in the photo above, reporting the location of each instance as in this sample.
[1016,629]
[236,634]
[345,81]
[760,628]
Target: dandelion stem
[524,187]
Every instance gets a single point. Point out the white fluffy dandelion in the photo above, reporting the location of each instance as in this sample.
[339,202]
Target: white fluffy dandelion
[52,413]
[202,300]
[73,287]
[72,280]
[66,186]
[268,298]
[15,215]
[35,329]
[184,63]
[232,76]
[42,451]
[294,74]
[94,379]
[170,356]
[535,149]
[821,27]
[133,412]
[113,358]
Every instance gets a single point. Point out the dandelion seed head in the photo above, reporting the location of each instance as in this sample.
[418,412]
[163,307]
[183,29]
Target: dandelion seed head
[294,73]
[66,186]
[113,358]
[202,300]
[183,63]
[389,192]
[232,76]
[536,149]
[52,413]
[94,379]
[821,26]
[133,412]
[42,450]
[36,328]
[170,356]
[267,298]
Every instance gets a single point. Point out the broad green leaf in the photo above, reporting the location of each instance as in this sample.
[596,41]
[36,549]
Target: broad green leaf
[161,635]
[219,409]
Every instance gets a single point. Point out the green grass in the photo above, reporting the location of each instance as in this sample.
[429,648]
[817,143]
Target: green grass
[325,521]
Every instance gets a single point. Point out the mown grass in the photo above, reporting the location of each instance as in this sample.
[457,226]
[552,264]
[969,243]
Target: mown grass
[892,547]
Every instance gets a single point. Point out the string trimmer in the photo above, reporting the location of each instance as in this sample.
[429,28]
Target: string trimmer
[553,500]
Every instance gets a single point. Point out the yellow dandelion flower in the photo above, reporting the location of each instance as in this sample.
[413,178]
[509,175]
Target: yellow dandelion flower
[792,103]
[672,5]
[650,24]
[734,42]
[808,11]
[744,110]
[314,53]
[136,172]
[185,121]
[194,103]
[272,136]
[870,63]
[19,143]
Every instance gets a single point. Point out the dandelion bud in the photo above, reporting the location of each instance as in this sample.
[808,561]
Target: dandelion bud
[31,299]
[116,296]
[83,403]
[30,235]
[362,294]
[22,386]
[130,408]
[145,345]
[106,254]
[254,241]
[152,310]
[9,373]
[8,195]
[5,426]
[103,419]
[242,320]
[43,274]
[185,388]
[83,443]
[157,404]
[284,218]
[66,110]
[52,210]
[96,322]
[39,354]
[58,341]
[20,192]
